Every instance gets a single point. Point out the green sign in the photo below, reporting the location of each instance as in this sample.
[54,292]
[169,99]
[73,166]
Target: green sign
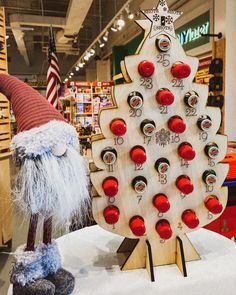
[190,34]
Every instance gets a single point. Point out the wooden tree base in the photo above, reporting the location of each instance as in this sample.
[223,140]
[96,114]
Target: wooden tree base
[146,254]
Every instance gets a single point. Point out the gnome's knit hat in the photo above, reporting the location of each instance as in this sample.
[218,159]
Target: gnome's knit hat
[34,115]
[52,179]
[30,108]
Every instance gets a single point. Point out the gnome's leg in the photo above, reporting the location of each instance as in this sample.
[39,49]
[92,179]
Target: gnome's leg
[32,232]
[63,280]
[47,231]
[27,272]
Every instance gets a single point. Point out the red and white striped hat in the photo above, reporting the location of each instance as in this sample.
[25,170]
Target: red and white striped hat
[30,108]
[40,127]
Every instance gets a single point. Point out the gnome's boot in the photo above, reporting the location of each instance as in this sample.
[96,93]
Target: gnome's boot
[27,273]
[39,287]
[63,280]
[27,266]
[51,262]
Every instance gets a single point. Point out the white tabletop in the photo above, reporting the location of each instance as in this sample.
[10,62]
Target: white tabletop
[90,254]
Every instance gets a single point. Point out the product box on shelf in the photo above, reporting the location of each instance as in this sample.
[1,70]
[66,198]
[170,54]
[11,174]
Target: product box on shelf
[89,99]
[80,107]
[88,108]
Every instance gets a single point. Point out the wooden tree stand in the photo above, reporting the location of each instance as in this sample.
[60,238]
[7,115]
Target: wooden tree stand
[138,158]
[142,254]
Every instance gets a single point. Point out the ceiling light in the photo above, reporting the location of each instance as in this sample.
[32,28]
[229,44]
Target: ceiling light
[81,64]
[101,44]
[87,56]
[129,13]
[66,79]
[105,37]
[120,22]
[92,51]
[71,74]
[114,29]
[7,37]
[77,68]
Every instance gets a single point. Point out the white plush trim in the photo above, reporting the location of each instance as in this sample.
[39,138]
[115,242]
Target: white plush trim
[32,265]
[43,139]
[53,186]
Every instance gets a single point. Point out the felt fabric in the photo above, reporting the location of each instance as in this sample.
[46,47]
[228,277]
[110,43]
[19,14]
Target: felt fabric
[39,287]
[63,280]
[29,266]
[30,108]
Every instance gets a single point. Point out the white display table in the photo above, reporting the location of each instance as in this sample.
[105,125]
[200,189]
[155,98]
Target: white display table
[90,254]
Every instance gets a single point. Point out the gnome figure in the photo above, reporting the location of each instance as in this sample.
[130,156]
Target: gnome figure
[51,183]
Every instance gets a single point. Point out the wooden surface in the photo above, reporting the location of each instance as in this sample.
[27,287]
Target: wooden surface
[219,52]
[5,153]
[127,200]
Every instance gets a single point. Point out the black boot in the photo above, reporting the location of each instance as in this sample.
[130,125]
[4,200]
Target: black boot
[39,287]
[63,280]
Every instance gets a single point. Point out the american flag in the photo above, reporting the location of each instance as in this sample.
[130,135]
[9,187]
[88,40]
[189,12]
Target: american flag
[53,73]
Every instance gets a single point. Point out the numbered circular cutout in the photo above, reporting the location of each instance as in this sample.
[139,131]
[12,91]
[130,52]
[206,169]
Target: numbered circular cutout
[163,43]
[135,100]
[109,156]
[191,99]
[139,184]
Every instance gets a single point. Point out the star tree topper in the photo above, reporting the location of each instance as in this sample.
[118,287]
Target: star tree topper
[162,19]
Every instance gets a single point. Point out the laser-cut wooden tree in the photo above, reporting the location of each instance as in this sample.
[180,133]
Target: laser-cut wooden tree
[157,172]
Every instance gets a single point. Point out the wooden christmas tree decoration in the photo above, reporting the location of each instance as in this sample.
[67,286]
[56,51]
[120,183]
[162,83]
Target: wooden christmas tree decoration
[157,173]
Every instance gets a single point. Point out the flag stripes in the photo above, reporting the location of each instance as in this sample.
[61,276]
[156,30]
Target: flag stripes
[53,73]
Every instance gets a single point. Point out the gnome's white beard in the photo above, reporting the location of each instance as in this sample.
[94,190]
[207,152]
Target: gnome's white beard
[54,186]
[48,184]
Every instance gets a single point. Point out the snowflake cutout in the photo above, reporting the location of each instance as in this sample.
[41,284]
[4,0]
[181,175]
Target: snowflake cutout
[169,20]
[156,17]
[162,2]
[163,137]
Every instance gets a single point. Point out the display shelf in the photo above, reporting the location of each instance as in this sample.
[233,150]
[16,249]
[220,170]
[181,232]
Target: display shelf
[5,153]
[84,114]
[87,99]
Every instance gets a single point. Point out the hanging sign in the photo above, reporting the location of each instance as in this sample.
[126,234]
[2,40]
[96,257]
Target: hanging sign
[190,34]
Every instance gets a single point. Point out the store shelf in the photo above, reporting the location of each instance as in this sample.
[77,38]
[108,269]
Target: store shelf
[87,99]
[83,114]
